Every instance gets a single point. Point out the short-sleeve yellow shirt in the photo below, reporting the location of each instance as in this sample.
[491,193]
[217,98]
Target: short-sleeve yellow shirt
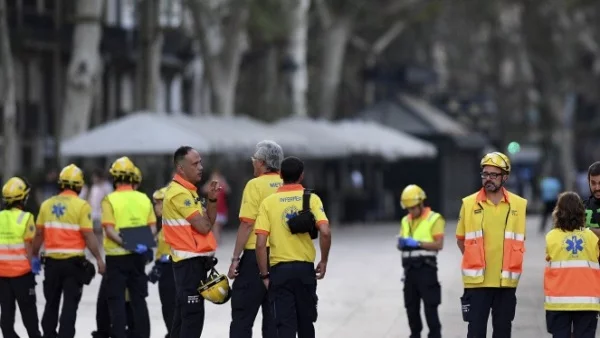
[256,190]
[272,218]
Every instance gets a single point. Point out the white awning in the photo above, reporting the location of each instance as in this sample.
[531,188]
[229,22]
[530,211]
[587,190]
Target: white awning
[357,137]
[135,134]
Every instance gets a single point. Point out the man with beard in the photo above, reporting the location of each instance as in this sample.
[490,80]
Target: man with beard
[491,236]
[592,203]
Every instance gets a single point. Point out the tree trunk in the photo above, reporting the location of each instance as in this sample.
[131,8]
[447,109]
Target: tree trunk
[222,48]
[83,71]
[148,70]
[11,160]
[563,111]
[335,41]
[296,52]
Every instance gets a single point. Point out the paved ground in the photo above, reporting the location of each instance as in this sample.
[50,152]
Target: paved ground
[361,296]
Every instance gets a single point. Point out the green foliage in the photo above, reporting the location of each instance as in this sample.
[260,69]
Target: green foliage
[268,20]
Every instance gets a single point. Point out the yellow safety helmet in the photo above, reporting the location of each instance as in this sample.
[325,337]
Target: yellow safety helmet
[412,196]
[123,167]
[15,189]
[71,176]
[159,194]
[215,288]
[496,159]
[137,176]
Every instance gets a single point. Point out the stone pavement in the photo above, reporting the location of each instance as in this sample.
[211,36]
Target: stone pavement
[361,295]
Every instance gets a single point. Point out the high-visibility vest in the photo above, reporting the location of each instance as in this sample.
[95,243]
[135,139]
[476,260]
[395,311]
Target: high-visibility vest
[13,256]
[184,240]
[162,248]
[473,261]
[64,236]
[572,274]
[131,209]
[422,233]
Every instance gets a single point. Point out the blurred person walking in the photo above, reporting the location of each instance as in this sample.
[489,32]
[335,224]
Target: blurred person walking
[550,187]
[572,275]
[288,220]
[222,209]
[94,194]
[17,263]
[421,237]
[592,202]
[64,227]
[491,236]
[249,293]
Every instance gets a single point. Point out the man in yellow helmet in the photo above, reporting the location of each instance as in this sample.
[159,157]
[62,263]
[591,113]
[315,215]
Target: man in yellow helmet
[491,237]
[17,263]
[421,237]
[162,272]
[126,269]
[64,226]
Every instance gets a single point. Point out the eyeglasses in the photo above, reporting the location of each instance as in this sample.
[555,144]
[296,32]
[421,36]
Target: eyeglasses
[493,176]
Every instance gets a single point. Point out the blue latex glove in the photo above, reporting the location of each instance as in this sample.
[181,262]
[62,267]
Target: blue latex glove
[36,266]
[399,243]
[410,243]
[164,259]
[141,248]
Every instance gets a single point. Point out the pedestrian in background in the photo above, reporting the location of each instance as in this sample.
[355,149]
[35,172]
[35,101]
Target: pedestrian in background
[550,187]
[572,275]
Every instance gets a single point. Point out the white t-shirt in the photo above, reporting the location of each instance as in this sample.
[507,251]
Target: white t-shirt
[95,197]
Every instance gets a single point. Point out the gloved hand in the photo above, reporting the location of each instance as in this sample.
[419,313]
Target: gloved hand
[410,243]
[141,248]
[36,265]
[164,259]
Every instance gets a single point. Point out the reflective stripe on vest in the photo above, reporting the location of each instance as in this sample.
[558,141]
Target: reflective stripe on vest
[421,233]
[473,262]
[13,256]
[62,237]
[131,210]
[571,276]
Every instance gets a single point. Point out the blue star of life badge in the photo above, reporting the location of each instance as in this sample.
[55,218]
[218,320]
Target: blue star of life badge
[574,244]
[58,210]
[187,203]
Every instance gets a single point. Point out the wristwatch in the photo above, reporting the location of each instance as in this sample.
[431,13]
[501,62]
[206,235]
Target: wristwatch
[212,200]
[265,276]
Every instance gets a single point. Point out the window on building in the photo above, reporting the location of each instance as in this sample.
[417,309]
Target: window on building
[127,13]
[111,9]
[171,13]
[161,97]
[127,87]
[175,95]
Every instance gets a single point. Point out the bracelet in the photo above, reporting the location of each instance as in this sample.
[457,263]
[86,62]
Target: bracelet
[265,276]
[212,200]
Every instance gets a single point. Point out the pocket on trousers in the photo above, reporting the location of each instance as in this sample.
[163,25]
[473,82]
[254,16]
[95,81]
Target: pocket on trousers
[516,257]
[313,300]
[239,295]
[465,303]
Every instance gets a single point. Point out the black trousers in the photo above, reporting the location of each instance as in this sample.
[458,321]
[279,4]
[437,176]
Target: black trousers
[582,324]
[248,295]
[501,301]
[127,273]
[20,290]
[293,295]
[188,320]
[62,279]
[167,294]
[103,326]
[421,284]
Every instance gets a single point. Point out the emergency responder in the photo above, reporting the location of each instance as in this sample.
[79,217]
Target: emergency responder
[491,236]
[125,270]
[592,203]
[17,263]
[64,227]
[162,272]
[421,237]
[292,281]
[136,179]
[571,288]
[187,228]
[249,293]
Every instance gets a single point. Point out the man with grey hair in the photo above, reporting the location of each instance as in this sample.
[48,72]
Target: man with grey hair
[249,292]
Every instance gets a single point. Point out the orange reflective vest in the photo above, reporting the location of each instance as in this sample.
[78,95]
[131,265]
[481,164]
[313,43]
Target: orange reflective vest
[62,235]
[473,262]
[572,274]
[13,255]
[184,240]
